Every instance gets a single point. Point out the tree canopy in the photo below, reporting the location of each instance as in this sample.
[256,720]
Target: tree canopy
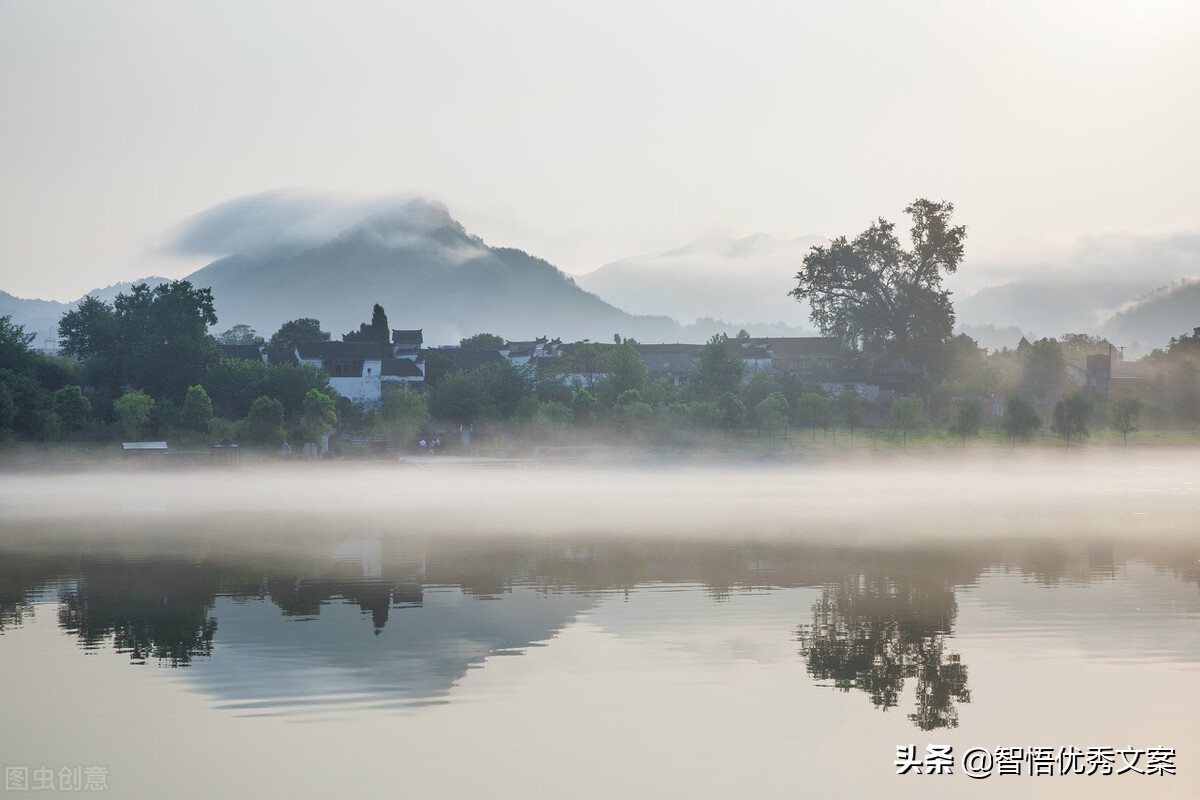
[154,339]
[871,292]
[281,348]
[377,330]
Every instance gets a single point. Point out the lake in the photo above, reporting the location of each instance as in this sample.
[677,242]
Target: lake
[545,630]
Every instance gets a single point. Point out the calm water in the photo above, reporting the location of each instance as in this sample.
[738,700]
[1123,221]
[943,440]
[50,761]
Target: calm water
[191,654]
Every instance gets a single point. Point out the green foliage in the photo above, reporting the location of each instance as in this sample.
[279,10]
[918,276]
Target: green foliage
[1044,369]
[152,339]
[482,342]
[264,422]
[437,367]
[197,410]
[405,414]
[71,408]
[489,392]
[320,414]
[1071,417]
[586,359]
[91,330]
[281,349]
[133,411]
[377,331]
[552,417]
[848,408]
[1020,419]
[812,411]
[234,383]
[907,415]
[14,346]
[1125,414]
[626,370]
[53,429]
[8,412]
[730,411]
[583,407]
[968,417]
[772,412]
[870,291]
[240,334]
[967,362]
[720,369]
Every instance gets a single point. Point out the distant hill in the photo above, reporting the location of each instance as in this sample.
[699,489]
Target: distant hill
[427,272]
[720,277]
[1156,317]
[1047,307]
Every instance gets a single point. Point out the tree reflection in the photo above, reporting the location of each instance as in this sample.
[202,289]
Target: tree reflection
[872,632]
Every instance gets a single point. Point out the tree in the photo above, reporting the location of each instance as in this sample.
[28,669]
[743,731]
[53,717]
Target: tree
[870,291]
[482,342]
[583,406]
[1071,417]
[15,353]
[71,407]
[626,370]
[437,367]
[848,410]
[731,413]
[1125,415]
[281,349]
[1044,368]
[197,410]
[8,412]
[907,415]
[377,331]
[154,339]
[320,414]
[405,414]
[812,411]
[240,334]
[133,411]
[968,418]
[1020,419]
[772,413]
[92,329]
[264,422]
[587,360]
[720,369]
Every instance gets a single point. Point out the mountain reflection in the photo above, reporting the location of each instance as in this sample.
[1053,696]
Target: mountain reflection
[269,621]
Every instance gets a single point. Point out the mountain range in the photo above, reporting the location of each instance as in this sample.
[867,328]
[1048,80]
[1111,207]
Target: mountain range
[429,272]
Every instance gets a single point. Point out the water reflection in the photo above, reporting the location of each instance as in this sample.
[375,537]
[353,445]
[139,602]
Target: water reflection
[267,621]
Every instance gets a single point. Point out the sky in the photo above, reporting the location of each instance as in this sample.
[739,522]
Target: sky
[585,133]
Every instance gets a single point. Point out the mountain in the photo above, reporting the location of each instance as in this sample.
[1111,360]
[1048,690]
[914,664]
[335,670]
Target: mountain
[725,278]
[427,272]
[1041,307]
[1157,316]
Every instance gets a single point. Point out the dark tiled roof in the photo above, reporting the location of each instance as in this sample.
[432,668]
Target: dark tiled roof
[250,352]
[408,337]
[465,359]
[401,368]
[646,350]
[790,346]
[357,351]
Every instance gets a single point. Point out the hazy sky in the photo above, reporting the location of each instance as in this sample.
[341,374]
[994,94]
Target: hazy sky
[589,132]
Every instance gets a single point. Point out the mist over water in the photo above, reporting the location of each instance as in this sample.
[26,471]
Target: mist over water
[694,629]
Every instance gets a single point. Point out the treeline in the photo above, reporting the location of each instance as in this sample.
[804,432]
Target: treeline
[145,365]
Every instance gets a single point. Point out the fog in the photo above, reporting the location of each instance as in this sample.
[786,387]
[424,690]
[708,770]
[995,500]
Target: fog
[875,501]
